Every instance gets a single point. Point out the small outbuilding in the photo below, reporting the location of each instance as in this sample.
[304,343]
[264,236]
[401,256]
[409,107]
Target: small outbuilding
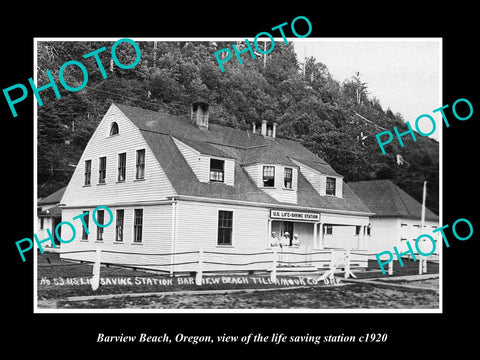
[397,216]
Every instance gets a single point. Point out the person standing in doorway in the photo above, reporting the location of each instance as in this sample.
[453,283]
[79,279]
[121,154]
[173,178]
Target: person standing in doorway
[285,245]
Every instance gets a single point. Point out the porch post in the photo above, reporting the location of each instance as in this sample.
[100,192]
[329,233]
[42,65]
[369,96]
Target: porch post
[364,237]
[321,236]
[269,232]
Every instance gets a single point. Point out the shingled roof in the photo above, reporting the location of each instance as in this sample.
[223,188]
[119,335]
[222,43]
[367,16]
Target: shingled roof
[53,198]
[386,199]
[159,129]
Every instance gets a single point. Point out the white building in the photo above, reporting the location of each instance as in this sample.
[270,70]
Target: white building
[179,185]
[397,217]
[49,215]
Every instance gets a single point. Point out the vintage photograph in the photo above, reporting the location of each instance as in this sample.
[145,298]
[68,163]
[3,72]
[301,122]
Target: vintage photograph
[300,178]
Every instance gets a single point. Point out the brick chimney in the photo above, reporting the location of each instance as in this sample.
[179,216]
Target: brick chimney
[199,114]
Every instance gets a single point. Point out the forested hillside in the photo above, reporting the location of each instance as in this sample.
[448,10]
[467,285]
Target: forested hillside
[336,120]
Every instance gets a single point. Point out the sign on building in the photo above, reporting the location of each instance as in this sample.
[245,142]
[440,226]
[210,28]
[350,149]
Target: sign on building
[294,215]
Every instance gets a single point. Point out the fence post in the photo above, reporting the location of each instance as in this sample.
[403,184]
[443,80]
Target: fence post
[96,269]
[198,277]
[273,273]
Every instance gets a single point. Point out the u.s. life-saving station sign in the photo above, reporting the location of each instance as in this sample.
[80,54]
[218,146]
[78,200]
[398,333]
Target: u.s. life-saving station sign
[294,215]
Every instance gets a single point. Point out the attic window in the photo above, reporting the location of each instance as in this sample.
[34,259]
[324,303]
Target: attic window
[217,170]
[114,129]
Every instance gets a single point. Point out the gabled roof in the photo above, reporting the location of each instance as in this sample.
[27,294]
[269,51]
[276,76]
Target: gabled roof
[53,198]
[54,211]
[386,199]
[159,129]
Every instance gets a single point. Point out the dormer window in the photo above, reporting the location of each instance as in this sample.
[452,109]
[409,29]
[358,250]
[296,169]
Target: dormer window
[287,178]
[114,129]
[331,186]
[269,176]
[217,170]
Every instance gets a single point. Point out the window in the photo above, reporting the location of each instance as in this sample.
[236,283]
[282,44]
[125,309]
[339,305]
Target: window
[122,166]
[85,227]
[42,223]
[217,170]
[225,225]
[269,176]
[100,221]
[114,129]
[137,225]
[357,230]
[102,170]
[331,185]
[140,164]
[328,230]
[119,226]
[88,171]
[287,179]
[403,231]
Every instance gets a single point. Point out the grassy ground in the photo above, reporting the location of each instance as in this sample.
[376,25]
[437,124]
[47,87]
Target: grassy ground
[58,280]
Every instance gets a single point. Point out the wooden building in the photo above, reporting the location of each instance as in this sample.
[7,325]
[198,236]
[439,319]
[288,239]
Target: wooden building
[397,216]
[49,215]
[179,186]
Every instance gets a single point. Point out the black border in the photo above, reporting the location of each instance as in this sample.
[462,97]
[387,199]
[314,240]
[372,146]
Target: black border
[411,334]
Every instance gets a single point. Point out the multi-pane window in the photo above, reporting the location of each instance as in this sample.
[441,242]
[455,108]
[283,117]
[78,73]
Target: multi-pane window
[122,166]
[137,225]
[287,178]
[86,219]
[331,186]
[217,170]
[119,225]
[100,221]
[102,170]
[140,174]
[88,171]
[225,225]
[269,176]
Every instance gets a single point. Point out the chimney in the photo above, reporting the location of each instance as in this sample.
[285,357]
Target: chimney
[199,114]
[269,129]
[264,128]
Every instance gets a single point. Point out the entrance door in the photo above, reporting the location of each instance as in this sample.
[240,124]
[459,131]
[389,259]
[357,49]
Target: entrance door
[287,226]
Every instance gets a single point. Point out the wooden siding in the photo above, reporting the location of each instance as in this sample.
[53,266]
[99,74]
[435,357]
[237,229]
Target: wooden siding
[278,192]
[200,164]
[196,162]
[156,237]
[319,181]
[154,186]
[386,233]
[198,227]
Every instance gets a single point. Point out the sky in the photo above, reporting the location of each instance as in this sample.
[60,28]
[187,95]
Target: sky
[404,74]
